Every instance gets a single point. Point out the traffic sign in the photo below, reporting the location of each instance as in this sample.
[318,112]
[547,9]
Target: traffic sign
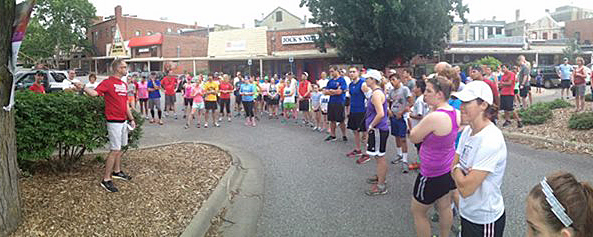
[249,62]
[291,59]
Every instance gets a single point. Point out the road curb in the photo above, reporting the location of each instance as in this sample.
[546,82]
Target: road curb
[514,135]
[240,191]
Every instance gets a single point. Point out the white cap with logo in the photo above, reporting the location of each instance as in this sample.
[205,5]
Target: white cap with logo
[373,74]
[474,90]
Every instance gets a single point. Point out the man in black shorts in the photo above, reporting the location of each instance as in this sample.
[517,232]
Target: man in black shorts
[304,98]
[507,96]
[336,89]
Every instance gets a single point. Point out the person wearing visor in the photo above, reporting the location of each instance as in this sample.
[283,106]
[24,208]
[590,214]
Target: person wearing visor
[480,163]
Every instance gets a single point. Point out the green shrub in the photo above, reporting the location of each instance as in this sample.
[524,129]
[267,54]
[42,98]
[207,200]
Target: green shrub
[558,104]
[60,127]
[589,97]
[581,121]
[538,113]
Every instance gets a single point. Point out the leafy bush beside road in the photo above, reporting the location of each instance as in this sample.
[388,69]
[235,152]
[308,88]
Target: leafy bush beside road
[558,104]
[59,128]
[536,114]
[581,121]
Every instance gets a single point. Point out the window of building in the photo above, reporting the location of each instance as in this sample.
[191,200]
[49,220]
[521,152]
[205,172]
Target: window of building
[545,35]
[149,33]
[95,36]
[112,31]
[554,36]
[278,16]
[178,31]
[481,35]
[137,33]
[460,34]
[169,30]
[577,36]
[498,30]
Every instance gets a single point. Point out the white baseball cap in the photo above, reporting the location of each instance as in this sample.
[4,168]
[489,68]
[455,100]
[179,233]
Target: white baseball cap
[374,74]
[474,90]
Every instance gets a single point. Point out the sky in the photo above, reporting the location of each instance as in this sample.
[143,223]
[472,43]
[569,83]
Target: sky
[239,12]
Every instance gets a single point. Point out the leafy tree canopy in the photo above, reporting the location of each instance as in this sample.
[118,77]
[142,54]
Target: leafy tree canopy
[375,32]
[57,27]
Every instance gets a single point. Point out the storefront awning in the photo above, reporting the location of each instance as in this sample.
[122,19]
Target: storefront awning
[146,40]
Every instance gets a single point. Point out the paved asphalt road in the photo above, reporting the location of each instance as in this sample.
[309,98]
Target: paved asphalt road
[312,189]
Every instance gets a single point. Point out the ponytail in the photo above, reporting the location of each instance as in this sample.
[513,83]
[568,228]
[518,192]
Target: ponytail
[588,191]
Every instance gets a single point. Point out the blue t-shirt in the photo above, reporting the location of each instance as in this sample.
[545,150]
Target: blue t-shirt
[456,103]
[565,71]
[154,94]
[247,88]
[357,97]
[334,84]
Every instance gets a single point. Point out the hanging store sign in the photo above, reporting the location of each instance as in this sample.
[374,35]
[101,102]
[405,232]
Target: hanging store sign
[299,39]
[143,50]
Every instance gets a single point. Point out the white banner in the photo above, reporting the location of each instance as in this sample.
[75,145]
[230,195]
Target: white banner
[299,39]
[240,45]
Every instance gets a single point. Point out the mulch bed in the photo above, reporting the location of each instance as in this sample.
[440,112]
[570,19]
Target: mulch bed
[169,186]
[555,129]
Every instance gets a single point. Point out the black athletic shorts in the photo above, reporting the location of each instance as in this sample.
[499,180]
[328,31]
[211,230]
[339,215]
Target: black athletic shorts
[525,91]
[188,101]
[238,99]
[506,102]
[267,98]
[565,84]
[428,190]
[304,105]
[372,143]
[211,105]
[356,121]
[335,112]
[143,100]
[495,229]
[275,101]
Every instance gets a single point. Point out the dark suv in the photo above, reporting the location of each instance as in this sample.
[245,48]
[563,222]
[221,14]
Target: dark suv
[551,78]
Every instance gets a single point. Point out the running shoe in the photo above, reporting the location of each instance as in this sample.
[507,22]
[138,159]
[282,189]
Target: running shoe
[330,139]
[198,126]
[121,175]
[398,159]
[108,185]
[405,168]
[220,119]
[315,129]
[216,125]
[176,117]
[253,124]
[519,124]
[186,126]
[363,159]
[374,180]
[151,121]
[344,139]
[506,123]
[354,153]
[379,191]
[229,119]
[206,125]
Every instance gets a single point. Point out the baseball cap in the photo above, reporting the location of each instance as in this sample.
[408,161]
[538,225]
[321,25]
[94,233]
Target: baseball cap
[306,74]
[474,90]
[374,74]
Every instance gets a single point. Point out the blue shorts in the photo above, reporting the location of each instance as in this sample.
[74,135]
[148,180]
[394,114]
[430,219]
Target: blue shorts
[398,127]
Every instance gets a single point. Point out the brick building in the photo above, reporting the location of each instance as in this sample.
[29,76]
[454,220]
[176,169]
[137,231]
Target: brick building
[125,27]
[581,30]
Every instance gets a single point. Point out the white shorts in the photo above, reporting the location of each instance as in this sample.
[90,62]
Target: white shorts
[198,105]
[118,135]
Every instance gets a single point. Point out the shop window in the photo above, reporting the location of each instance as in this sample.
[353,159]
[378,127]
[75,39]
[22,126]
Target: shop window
[169,30]
[149,33]
[554,36]
[278,16]
[138,33]
[545,35]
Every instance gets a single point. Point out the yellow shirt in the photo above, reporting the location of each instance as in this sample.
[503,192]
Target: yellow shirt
[211,86]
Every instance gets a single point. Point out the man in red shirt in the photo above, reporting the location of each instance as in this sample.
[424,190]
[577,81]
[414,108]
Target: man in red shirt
[304,98]
[117,113]
[507,96]
[37,87]
[170,84]
[225,97]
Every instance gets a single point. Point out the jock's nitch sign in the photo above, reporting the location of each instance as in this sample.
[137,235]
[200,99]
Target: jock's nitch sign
[299,39]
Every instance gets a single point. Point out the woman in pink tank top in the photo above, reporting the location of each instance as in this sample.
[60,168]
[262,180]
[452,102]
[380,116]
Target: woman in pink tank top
[437,133]
[143,96]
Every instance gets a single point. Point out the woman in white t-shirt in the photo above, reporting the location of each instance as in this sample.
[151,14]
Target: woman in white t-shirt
[480,163]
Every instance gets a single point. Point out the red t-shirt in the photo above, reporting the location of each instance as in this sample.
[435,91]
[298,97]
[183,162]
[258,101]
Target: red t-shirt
[115,93]
[510,89]
[303,87]
[225,87]
[37,88]
[494,89]
[170,84]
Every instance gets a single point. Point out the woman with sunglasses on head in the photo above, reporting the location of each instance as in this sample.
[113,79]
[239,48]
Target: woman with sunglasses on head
[437,132]
[560,206]
[480,163]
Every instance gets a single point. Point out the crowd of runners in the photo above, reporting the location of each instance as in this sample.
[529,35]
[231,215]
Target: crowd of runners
[462,153]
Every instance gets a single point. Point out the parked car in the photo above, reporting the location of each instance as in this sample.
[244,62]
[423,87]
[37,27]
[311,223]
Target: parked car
[551,78]
[80,72]
[53,80]
[589,69]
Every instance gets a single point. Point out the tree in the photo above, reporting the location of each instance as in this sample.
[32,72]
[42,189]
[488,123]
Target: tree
[376,32]
[59,26]
[490,61]
[10,206]
[572,50]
